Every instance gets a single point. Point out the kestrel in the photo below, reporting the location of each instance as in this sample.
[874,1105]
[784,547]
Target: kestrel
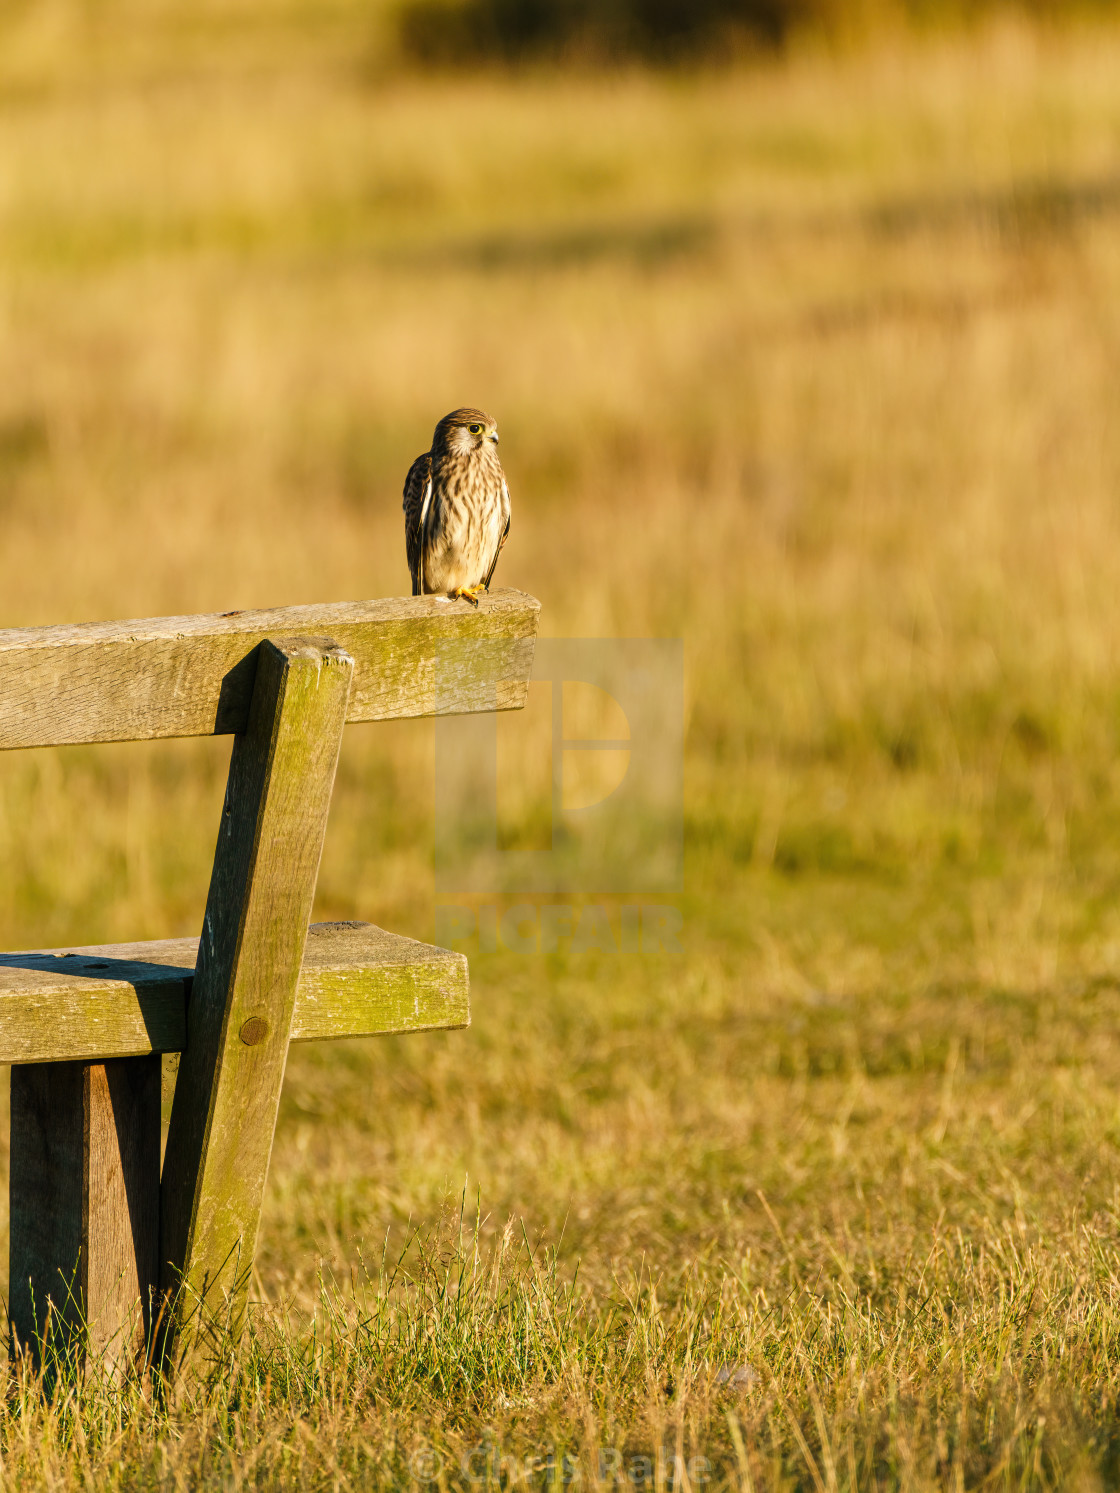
[456,509]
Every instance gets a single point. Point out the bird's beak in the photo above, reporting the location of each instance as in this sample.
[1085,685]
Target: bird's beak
[494,436]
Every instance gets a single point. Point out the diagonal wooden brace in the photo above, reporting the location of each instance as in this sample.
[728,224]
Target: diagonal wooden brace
[240,1013]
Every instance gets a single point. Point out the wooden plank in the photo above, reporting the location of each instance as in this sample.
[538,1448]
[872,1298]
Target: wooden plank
[125,1000]
[240,1012]
[193,676]
[358,981]
[60,1005]
[84,1208]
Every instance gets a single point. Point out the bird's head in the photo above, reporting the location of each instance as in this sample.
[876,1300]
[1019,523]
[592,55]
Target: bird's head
[465,432]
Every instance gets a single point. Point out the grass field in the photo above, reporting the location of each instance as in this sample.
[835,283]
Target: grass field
[813,365]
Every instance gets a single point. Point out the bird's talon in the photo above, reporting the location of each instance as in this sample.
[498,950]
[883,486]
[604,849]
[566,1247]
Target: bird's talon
[467,593]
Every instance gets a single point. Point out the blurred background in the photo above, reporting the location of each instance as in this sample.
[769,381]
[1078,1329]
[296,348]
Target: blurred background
[801,321]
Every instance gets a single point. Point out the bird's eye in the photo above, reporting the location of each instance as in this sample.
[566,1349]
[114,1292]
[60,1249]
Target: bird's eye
[475,429]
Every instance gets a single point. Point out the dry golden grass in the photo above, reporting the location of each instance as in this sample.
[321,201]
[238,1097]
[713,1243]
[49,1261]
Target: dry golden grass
[814,366]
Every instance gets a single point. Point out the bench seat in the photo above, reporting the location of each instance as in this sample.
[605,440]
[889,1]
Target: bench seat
[130,999]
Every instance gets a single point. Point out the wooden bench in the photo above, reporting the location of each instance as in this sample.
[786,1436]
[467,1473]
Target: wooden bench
[108,1255]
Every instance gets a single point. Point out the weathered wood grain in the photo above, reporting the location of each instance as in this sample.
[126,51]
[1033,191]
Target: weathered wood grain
[243,997]
[193,676]
[59,1005]
[359,981]
[125,1000]
[84,1207]
[120,1213]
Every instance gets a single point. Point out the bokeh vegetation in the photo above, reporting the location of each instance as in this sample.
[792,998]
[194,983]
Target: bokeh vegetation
[811,363]
[466,33]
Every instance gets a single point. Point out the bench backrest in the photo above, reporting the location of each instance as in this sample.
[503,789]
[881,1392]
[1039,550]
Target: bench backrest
[194,676]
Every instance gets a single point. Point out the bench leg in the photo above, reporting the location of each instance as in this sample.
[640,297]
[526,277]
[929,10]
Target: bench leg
[84,1208]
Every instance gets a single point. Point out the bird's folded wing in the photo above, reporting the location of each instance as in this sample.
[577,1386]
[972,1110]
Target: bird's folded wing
[415,488]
